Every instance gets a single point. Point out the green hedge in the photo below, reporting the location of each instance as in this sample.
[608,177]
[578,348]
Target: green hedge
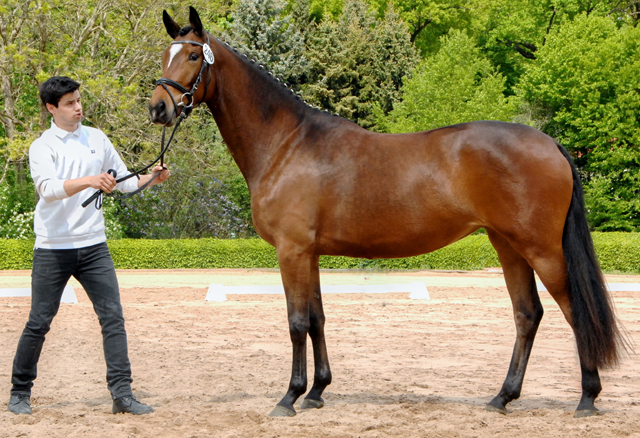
[618,252]
[16,254]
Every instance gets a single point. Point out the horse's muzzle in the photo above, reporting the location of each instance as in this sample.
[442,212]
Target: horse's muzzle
[160,115]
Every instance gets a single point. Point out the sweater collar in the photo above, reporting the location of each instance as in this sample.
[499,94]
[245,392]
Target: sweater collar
[62,134]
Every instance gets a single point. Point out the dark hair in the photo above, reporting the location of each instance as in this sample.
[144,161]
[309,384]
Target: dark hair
[52,90]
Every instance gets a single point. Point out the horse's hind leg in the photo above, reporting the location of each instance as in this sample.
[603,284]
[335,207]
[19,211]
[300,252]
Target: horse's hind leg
[552,272]
[322,375]
[527,311]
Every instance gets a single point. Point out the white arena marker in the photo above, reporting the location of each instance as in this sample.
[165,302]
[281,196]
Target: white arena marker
[417,290]
[614,287]
[68,294]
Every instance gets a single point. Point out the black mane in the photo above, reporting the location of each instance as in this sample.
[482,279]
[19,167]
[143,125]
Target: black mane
[261,70]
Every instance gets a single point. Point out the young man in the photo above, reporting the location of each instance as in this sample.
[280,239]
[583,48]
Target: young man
[68,163]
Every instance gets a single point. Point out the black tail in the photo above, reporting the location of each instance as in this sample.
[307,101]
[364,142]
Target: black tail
[595,326]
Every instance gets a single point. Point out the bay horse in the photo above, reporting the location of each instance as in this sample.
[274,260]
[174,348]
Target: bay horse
[322,185]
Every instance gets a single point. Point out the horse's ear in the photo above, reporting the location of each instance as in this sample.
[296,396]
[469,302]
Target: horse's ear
[194,19]
[172,27]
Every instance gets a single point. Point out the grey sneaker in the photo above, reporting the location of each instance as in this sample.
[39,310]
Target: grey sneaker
[20,404]
[129,404]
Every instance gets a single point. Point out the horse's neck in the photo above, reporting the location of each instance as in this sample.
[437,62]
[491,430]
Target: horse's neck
[255,128]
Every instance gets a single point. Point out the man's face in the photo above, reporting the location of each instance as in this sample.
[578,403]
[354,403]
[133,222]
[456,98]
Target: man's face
[68,113]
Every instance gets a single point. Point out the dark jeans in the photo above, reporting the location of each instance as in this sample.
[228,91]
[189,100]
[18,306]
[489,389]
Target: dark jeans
[93,268]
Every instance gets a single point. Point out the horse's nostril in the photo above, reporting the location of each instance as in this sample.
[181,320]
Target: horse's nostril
[158,111]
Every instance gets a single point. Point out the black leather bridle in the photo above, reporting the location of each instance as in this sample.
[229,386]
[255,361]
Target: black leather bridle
[163,82]
[207,60]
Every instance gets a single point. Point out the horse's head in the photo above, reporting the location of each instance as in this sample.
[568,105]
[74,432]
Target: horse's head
[186,76]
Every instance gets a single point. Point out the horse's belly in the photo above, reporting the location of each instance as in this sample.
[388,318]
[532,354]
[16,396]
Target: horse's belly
[392,237]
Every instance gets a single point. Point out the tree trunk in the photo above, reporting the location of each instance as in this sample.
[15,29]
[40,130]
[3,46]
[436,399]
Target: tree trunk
[9,105]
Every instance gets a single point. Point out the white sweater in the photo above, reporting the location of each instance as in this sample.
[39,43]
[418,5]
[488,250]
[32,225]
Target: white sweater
[60,221]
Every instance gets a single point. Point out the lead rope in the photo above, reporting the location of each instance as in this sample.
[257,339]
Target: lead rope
[97,196]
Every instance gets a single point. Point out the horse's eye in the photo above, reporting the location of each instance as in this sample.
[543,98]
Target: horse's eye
[193,57]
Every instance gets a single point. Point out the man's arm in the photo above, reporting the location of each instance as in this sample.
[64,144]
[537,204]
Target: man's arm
[107,183]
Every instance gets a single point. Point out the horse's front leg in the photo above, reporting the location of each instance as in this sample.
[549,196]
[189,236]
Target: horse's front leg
[296,268]
[322,376]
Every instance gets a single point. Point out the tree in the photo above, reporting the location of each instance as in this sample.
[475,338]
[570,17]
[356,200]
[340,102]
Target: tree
[40,39]
[428,20]
[358,62]
[262,30]
[456,85]
[325,9]
[583,90]
[112,47]
[510,33]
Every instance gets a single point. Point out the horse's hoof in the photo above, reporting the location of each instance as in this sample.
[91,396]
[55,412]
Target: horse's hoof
[587,413]
[309,403]
[281,411]
[492,408]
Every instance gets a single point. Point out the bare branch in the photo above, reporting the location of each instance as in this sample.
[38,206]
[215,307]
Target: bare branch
[524,48]
[90,27]
[5,170]
[553,15]
[7,117]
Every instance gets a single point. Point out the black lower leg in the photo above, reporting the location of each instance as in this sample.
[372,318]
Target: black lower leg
[527,323]
[322,374]
[591,388]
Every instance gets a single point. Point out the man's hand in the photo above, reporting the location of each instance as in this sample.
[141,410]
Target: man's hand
[164,175]
[104,182]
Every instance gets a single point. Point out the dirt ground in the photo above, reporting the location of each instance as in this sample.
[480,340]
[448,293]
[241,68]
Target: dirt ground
[401,367]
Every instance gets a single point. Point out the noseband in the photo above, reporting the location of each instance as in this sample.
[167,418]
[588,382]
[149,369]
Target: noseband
[207,59]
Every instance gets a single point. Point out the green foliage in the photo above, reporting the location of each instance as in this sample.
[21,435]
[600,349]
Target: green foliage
[15,222]
[618,252]
[262,30]
[113,228]
[16,253]
[358,63]
[456,85]
[511,33]
[325,9]
[192,254]
[474,252]
[428,20]
[16,205]
[193,206]
[583,90]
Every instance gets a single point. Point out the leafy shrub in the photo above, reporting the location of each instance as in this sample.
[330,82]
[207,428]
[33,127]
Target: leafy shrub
[618,252]
[583,90]
[16,253]
[16,211]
